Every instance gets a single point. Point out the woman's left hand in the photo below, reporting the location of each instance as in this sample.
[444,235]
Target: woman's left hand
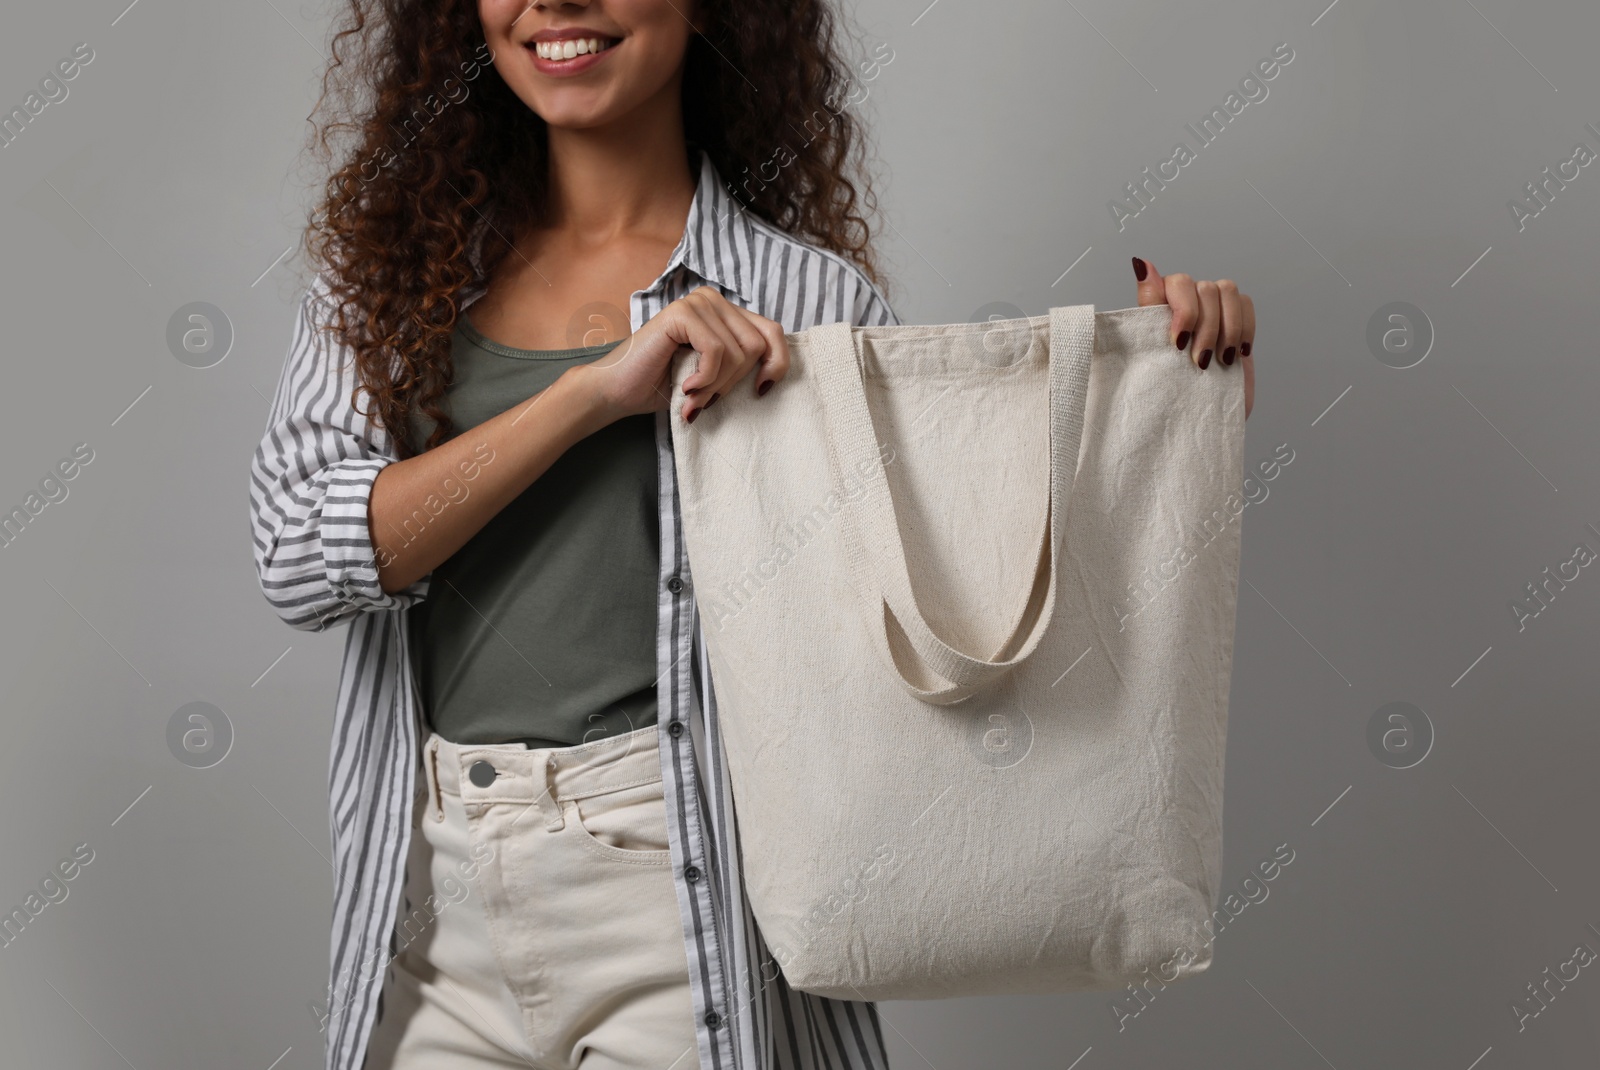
[1211,319]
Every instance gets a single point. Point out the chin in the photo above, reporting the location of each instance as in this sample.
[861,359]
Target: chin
[573,118]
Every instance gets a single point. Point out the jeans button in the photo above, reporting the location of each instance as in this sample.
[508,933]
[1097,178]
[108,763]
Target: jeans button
[481,773]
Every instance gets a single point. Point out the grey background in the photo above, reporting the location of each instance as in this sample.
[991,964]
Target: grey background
[1380,568]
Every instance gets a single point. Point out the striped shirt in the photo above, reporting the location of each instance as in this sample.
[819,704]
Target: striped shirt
[310,482]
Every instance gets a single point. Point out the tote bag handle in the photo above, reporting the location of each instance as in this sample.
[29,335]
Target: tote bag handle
[871,531]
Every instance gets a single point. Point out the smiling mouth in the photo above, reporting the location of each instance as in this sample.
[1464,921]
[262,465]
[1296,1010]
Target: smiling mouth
[558,51]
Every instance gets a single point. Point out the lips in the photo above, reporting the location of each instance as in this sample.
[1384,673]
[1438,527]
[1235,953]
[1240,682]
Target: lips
[569,52]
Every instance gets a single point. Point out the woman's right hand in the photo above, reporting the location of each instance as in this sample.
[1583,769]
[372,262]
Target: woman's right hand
[635,377]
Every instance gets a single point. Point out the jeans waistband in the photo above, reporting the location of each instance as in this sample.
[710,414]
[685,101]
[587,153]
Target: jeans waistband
[513,773]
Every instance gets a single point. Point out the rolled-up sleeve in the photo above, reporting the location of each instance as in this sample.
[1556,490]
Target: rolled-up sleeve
[311,482]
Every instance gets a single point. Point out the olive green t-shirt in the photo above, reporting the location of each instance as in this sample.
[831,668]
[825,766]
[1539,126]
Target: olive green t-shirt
[541,629]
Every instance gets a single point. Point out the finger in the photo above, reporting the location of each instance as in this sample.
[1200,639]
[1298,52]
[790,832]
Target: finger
[1232,312]
[708,335]
[1247,325]
[775,364]
[1185,304]
[752,346]
[1205,334]
[716,347]
[1247,343]
[1151,291]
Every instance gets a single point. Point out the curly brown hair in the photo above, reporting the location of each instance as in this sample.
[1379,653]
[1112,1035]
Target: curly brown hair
[399,235]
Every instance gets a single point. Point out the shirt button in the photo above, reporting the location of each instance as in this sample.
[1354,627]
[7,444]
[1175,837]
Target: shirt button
[674,729]
[691,874]
[481,773]
[713,1019]
[675,585]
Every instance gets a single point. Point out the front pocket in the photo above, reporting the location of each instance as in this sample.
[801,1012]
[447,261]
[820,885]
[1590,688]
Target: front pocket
[629,821]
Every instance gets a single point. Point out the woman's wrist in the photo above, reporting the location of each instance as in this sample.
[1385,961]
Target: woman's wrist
[580,392]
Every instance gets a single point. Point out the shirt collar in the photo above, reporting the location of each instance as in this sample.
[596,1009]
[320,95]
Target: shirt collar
[718,238]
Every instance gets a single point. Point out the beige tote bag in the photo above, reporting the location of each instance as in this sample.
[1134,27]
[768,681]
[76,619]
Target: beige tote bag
[968,596]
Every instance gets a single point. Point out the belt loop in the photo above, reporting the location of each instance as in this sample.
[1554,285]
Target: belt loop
[558,819]
[433,777]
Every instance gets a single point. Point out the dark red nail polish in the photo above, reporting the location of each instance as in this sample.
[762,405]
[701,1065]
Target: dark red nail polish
[689,419]
[1183,339]
[1205,360]
[691,391]
[1244,349]
[766,385]
[1227,355]
[713,400]
[1140,269]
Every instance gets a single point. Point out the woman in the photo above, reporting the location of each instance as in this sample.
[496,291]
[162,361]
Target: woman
[468,459]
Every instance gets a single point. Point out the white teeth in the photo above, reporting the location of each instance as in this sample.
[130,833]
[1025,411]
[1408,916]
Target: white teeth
[571,48]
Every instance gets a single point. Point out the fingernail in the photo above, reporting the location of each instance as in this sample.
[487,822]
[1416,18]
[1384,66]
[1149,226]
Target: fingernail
[1183,339]
[1205,360]
[691,391]
[1244,349]
[1227,355]
[1140,269]
[766,384]
[689,419]
[713,400]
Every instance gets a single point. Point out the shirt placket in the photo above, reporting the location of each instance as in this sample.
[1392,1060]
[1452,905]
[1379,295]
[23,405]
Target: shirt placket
[675,663]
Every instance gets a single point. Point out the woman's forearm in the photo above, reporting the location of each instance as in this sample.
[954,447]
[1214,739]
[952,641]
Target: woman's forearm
[425,508]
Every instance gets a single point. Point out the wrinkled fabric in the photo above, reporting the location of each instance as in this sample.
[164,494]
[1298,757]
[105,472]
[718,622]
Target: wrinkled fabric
[1061,828]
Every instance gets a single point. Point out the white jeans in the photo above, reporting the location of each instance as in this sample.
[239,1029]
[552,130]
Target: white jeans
[541,924]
